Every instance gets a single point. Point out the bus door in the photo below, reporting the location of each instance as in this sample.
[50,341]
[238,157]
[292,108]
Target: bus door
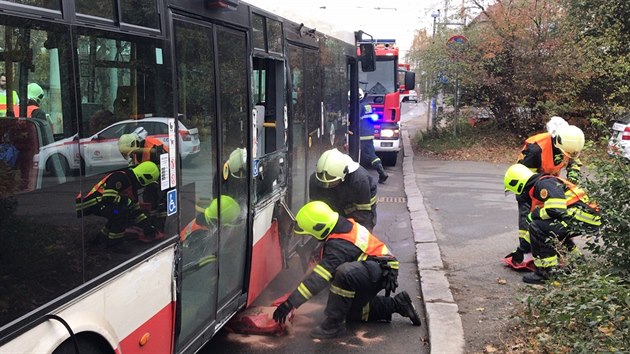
[305,121]
[211,64]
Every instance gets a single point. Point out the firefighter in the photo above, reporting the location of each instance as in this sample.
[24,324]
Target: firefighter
[345,186]
[199,236]
[366,132]
[545,153]
[357,266]
[115,198]
[136,148]
[559,210]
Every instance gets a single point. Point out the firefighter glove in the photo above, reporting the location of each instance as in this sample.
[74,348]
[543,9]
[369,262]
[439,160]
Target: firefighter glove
[282,311]
[390,280]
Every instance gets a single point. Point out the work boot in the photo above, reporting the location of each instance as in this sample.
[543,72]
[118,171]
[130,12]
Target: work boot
[382,175]
[539,276]
[404,307]
[329,329]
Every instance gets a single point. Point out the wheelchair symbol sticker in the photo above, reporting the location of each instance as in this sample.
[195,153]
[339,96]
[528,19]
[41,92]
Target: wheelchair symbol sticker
[171,199]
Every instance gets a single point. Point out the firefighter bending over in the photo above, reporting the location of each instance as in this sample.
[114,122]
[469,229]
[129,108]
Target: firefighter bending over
[345,186]
[546,153]
[356,265]
[559,211]
[115,198]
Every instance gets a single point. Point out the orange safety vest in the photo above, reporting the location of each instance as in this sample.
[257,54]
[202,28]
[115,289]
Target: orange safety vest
[547,165]
[191,228]
[3,105]
[572,195]
[93,198]
[365,241]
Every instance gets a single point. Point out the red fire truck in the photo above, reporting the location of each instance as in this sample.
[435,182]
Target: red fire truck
[407,94]
[381,88]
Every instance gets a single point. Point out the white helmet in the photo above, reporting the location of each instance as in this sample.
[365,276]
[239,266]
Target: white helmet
[554,123]
[333,166]
[570,140]
[361,94]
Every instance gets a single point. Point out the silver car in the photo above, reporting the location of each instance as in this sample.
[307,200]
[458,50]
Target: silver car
[99,152]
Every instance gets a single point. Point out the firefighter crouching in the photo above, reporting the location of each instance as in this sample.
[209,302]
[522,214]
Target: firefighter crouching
[356,265]
[546,153]
[345,186]
[115,198]
[559,211]
[138,147]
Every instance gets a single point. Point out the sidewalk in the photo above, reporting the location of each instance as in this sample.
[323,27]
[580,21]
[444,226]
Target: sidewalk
[446,334]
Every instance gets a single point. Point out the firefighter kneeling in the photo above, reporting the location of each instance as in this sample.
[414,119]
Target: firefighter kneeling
[559,211]
[357,266]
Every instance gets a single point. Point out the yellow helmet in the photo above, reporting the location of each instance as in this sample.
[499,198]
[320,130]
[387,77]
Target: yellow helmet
[228,209]
[317,219]
[516,177]
[147,173]
[570,140]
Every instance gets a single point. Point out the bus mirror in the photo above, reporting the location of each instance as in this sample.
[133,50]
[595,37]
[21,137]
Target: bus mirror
[368,57]
[410,80]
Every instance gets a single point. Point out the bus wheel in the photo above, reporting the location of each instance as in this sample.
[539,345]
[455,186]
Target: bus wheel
[88,344]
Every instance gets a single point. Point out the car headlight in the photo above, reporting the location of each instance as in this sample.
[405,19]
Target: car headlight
[389,133]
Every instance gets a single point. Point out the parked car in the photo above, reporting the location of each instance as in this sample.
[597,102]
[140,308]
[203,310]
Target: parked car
[99,152]
[619,143]
[409,96]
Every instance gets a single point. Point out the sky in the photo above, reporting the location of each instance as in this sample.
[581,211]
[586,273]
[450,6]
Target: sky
[398,19]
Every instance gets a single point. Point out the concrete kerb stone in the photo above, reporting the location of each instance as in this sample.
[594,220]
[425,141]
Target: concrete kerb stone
[446,332]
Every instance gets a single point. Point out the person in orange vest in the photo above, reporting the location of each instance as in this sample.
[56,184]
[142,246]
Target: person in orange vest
[3,98]
[138,147]
[115,198]
[546,153]
[356,265]
[559,211]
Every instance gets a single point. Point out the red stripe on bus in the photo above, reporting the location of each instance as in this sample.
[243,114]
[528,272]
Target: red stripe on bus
[160,330]
[266,262]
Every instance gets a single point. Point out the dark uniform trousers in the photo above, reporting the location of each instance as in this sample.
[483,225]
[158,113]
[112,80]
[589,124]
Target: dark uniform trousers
[353,291]
[543,233]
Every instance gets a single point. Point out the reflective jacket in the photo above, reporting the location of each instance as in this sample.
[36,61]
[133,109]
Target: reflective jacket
[556,198]
[538,155]
[115,188]
[3,104]
[339,248]
[354,197]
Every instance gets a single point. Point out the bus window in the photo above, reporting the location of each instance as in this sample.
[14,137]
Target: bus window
[140,13]
[234,113]
[40,235]
[196,82]
[47,4]
[104,9]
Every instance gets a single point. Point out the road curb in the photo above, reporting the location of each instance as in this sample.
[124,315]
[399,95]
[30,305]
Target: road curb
[446,333]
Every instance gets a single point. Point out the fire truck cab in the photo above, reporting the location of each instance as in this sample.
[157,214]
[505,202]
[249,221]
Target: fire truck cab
[382,93]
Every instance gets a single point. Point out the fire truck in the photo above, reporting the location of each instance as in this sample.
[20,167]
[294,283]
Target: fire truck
[382,91]
[407,94]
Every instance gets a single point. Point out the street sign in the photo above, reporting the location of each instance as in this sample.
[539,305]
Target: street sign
[456,45]
[171,202]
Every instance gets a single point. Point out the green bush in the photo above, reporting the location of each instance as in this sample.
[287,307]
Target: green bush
[608,182]
[587,311]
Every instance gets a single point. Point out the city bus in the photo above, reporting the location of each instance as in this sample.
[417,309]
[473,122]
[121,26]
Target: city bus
[253,98]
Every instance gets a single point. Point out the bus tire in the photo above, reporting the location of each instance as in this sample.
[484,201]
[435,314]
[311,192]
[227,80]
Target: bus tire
[88,344]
